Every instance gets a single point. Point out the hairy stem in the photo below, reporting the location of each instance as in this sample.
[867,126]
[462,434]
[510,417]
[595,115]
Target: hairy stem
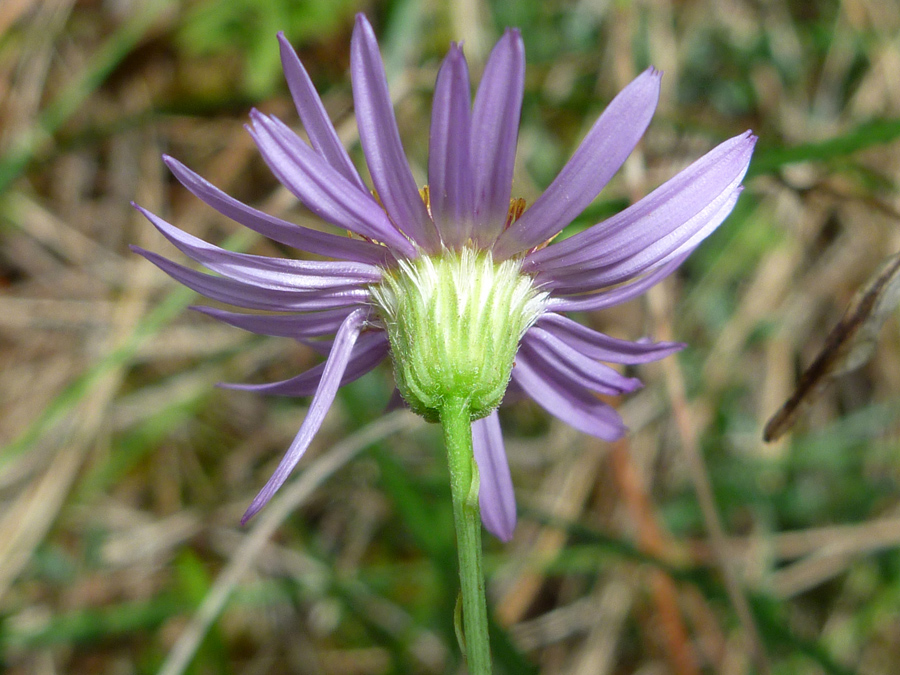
[456,421]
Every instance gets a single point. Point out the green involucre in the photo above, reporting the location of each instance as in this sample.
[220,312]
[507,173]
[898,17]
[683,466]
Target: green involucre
[454,322]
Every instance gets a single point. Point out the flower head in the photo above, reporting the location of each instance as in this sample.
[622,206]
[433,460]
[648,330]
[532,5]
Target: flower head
[455,282]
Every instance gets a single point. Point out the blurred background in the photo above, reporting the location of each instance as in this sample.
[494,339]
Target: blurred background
[124,471]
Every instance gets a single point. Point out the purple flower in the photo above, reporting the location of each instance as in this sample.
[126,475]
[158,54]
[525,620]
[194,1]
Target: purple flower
[466,209]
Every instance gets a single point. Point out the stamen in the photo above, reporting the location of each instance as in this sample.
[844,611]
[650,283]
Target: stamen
[516,209]
[425,194]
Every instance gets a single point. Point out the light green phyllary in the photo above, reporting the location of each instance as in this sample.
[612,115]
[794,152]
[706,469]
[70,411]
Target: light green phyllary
[457,319]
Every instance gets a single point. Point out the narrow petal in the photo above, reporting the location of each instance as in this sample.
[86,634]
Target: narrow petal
[323,190]
[241,294]
[330,381]
[605,148]
[597,345]
[265,271]
[656,216]
[495,493]
[312,113]
[289,234]
[449,166]
[306,325]
[585,372]
[618,295]
[495,128]
[583,278]
[702,232]
[563,398]
[381,140]
[370,349]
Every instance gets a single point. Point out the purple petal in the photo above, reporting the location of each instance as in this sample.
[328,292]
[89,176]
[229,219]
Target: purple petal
[289,234]
[311,324]
[381,140]
[370,350]
[583,279]
[264,271]
[601,153]
[703,231]
[495,493]
[596,345]
[553,354]
[331,377]
[495,128]
[321,188]
[312,113]
[712,177]
[565,399]
[449,167]
[620,294]
[242,294]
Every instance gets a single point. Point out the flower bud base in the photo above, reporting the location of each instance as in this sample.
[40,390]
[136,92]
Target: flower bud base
[454,322]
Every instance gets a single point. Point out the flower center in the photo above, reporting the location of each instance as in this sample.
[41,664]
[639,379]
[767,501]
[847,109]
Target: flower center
[454,321]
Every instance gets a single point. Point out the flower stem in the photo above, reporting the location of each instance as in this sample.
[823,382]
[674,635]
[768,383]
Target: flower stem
[457,424]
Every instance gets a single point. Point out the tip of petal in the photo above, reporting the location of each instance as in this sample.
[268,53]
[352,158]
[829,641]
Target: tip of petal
[285,49]
[504,533]
[236,386]
[253,510]
[140,209]
[511,39]
[616,435]
[258,121]
[499,521]
[259,501]
[173,164]
[747,144]
[362,23]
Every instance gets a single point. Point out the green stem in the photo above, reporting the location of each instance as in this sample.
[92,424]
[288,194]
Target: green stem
[457,424]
